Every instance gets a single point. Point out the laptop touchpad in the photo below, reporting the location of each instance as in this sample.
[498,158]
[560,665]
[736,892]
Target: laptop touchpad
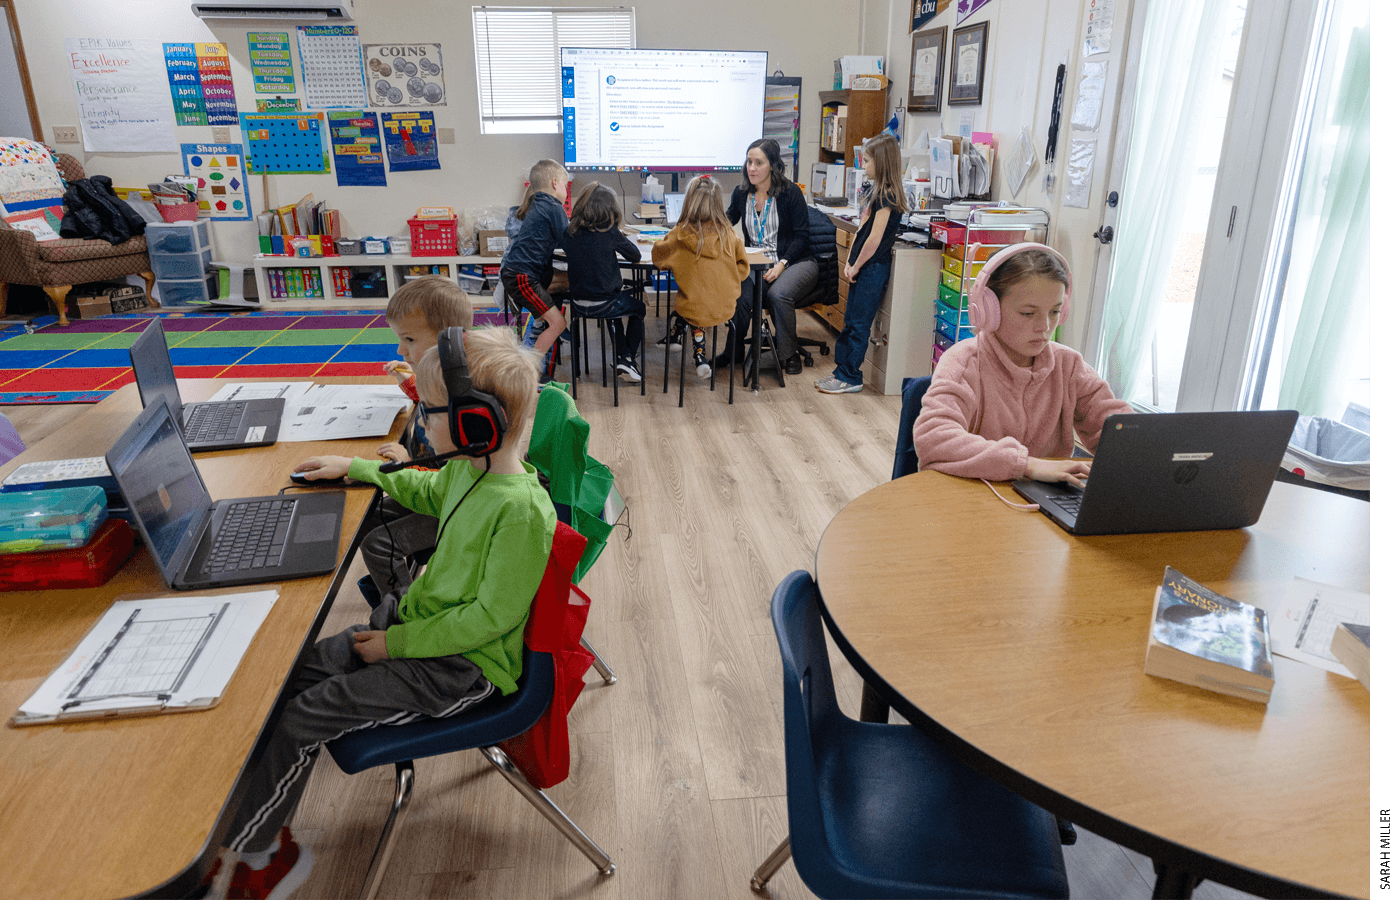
[319,527]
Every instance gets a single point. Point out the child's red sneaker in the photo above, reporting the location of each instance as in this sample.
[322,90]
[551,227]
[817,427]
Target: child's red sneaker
[283,874]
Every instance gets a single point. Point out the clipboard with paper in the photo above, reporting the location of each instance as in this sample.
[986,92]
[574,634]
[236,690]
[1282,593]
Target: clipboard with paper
[152,655]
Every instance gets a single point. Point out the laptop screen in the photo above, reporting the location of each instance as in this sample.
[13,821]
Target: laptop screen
[155,376]
[674,202]
[161,485]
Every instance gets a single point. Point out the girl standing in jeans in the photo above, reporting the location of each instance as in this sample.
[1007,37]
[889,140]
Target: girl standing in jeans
[868,266]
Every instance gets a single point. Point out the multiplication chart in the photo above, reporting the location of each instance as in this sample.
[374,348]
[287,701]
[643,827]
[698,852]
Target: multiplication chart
[331,70]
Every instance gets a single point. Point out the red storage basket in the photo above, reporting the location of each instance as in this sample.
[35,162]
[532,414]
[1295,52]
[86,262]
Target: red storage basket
[433,237]
[90,565]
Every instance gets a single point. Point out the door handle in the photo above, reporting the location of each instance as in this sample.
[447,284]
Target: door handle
[1105,234]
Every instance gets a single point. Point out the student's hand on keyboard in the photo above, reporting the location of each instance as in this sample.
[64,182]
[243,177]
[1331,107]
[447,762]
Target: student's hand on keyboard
[1070,471]
[394,452]
[319,467]
[372,646]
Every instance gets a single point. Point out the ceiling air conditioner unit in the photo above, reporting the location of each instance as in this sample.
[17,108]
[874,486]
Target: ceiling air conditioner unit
[291,10]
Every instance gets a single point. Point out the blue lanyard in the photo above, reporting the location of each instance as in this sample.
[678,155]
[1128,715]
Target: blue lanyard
[760,222]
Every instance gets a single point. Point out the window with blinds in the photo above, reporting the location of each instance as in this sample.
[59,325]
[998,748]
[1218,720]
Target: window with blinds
[517,59]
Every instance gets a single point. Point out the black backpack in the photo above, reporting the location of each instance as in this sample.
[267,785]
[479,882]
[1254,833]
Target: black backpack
[91,209]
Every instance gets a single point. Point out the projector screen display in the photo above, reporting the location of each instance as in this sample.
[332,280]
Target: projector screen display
[668,110]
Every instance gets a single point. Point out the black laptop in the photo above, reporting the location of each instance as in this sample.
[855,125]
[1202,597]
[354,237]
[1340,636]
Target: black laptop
[1172,472]
[218,425]
[198,543]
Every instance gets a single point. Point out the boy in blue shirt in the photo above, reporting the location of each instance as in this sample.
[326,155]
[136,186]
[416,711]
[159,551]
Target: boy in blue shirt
[528,266]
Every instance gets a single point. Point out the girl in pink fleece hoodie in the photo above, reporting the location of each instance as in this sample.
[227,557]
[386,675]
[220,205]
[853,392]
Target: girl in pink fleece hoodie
[1004,404]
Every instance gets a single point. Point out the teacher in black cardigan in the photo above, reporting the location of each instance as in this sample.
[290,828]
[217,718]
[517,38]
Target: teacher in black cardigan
[773,216]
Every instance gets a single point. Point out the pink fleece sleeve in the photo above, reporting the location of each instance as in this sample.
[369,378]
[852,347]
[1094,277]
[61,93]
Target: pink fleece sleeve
[1094,402]
[942,436]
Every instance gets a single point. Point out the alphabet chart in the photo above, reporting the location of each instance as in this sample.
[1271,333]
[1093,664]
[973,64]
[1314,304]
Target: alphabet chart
[284,143]
[223,183]
[405,75]
[330,66]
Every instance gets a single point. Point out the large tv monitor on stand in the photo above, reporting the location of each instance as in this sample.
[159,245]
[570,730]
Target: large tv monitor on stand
[661,110]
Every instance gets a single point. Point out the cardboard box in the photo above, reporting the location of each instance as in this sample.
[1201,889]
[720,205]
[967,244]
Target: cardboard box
[490,242]
[104,300]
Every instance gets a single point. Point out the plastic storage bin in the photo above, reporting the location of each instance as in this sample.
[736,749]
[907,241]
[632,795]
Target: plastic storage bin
[50,520]
[90,565]
[347,246]
[399,246]
[181,265]
[184,291]
[1328,452]
[433,237]
[177,237]
[374,246]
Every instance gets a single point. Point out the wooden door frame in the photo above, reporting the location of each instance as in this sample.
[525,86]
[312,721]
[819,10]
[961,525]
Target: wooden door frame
[13,19]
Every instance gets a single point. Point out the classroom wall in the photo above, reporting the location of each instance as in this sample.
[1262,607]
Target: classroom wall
[1027,40]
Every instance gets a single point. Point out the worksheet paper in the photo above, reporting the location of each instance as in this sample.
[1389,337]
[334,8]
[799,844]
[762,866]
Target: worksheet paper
[1303,621]
[263,390]
[152,655]
[329,412]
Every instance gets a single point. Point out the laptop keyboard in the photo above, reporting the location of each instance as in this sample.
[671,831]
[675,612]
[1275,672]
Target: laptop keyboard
[214,422]
[1069,504]
[251,536]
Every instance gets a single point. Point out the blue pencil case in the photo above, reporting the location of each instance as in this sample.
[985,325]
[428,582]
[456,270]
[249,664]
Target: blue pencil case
[50,520]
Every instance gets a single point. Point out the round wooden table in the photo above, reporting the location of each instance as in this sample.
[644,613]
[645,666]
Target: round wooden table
[1021,648]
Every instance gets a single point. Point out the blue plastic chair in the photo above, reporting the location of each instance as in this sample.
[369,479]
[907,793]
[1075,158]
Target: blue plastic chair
[879,810]
[482,727]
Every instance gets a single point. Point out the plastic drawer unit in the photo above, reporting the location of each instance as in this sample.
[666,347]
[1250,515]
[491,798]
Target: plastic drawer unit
[178,237]
[181,265]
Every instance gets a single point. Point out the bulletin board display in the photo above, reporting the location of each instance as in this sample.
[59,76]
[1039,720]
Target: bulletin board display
[410,141]
[357,150]
[285,143]
[223,182]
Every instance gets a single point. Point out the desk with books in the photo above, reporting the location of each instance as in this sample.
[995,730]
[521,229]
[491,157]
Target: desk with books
[138,805]
[1021,648]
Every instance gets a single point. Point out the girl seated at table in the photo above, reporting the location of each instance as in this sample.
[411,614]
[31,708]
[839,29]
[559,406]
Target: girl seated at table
[1008,403]
[592,244]
[709,263]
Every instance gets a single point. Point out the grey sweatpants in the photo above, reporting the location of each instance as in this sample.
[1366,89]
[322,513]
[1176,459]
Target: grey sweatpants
[401,533]
[337,693]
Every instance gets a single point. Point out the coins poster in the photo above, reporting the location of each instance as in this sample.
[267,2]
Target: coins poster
[405,75]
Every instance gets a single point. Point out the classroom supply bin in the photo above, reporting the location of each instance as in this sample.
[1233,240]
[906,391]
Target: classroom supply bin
[186,291]
[178,237]
[91,565]
[398,246]
[181,265]
[1329,452]
[433,237]
[347,246]
[50,520]
[376,246]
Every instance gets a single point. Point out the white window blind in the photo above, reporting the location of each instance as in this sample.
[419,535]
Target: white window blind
[517,59]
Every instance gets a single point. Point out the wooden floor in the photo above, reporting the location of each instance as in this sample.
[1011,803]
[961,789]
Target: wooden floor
[678,767]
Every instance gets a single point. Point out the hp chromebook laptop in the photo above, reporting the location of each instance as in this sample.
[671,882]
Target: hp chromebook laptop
[198,543]
[220,425]
[1172,472]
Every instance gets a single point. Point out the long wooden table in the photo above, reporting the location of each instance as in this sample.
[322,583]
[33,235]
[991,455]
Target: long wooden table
[1021,648]
[137,806]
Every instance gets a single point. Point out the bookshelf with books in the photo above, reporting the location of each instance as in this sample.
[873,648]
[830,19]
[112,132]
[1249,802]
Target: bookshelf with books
[849,118]
[333,280]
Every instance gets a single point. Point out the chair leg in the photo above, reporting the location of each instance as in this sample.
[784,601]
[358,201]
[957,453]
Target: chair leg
[58,296]
[150,279]
[770,866]
[546,806]
[601,667]
[389,836]
[573,353]
[732,340]
[4,297]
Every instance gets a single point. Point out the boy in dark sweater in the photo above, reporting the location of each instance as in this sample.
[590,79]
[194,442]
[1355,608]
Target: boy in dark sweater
[527,267]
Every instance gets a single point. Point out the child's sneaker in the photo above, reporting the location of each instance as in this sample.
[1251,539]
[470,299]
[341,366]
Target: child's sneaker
[702,367]
[627,368]
[284,873]
[675,335]
[833,385]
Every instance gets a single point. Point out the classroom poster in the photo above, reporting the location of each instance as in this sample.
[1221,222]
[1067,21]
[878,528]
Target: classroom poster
[356,148]
[123,95]
[331,69]
[284,143]
[405,75]
[279,104]
[270,54]
[223,181]
[201,84]
[410,141]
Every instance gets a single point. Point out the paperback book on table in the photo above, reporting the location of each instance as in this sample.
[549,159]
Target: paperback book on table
[1351,644]
[1208,640]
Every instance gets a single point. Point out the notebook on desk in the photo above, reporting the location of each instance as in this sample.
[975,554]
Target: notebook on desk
[221,425]
[198,543]
[1162,472]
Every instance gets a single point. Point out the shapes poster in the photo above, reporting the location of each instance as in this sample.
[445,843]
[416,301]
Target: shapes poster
[201,84]
[223,181]
[356,148]
[405,75]
[410,141]
[331,70]
[123,95]
[270,55]
[283,143]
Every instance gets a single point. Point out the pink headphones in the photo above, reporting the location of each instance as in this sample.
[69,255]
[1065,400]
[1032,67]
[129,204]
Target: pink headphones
[984,307]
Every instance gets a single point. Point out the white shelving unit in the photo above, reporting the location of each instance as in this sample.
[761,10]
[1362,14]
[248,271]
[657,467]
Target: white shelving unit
[394,266]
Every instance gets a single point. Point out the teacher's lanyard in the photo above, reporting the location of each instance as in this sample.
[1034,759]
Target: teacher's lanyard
[760,223]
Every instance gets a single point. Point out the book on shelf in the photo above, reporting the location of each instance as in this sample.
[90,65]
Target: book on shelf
[1208,640]
[1351,644]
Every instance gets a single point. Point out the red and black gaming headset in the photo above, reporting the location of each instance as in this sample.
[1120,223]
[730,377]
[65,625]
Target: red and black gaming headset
[477,419]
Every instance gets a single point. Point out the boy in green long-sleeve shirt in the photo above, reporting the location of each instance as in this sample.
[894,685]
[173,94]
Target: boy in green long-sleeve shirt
[453,638]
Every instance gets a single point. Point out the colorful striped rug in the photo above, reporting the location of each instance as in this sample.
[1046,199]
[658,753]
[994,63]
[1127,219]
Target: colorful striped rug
[88,360]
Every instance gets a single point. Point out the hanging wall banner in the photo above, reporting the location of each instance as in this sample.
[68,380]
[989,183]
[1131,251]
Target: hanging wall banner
[201,84]
[410,141]
[924,10]
[967,7]
[405,75]
[223,182]
[123,95]
[356,148]
[270,55]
